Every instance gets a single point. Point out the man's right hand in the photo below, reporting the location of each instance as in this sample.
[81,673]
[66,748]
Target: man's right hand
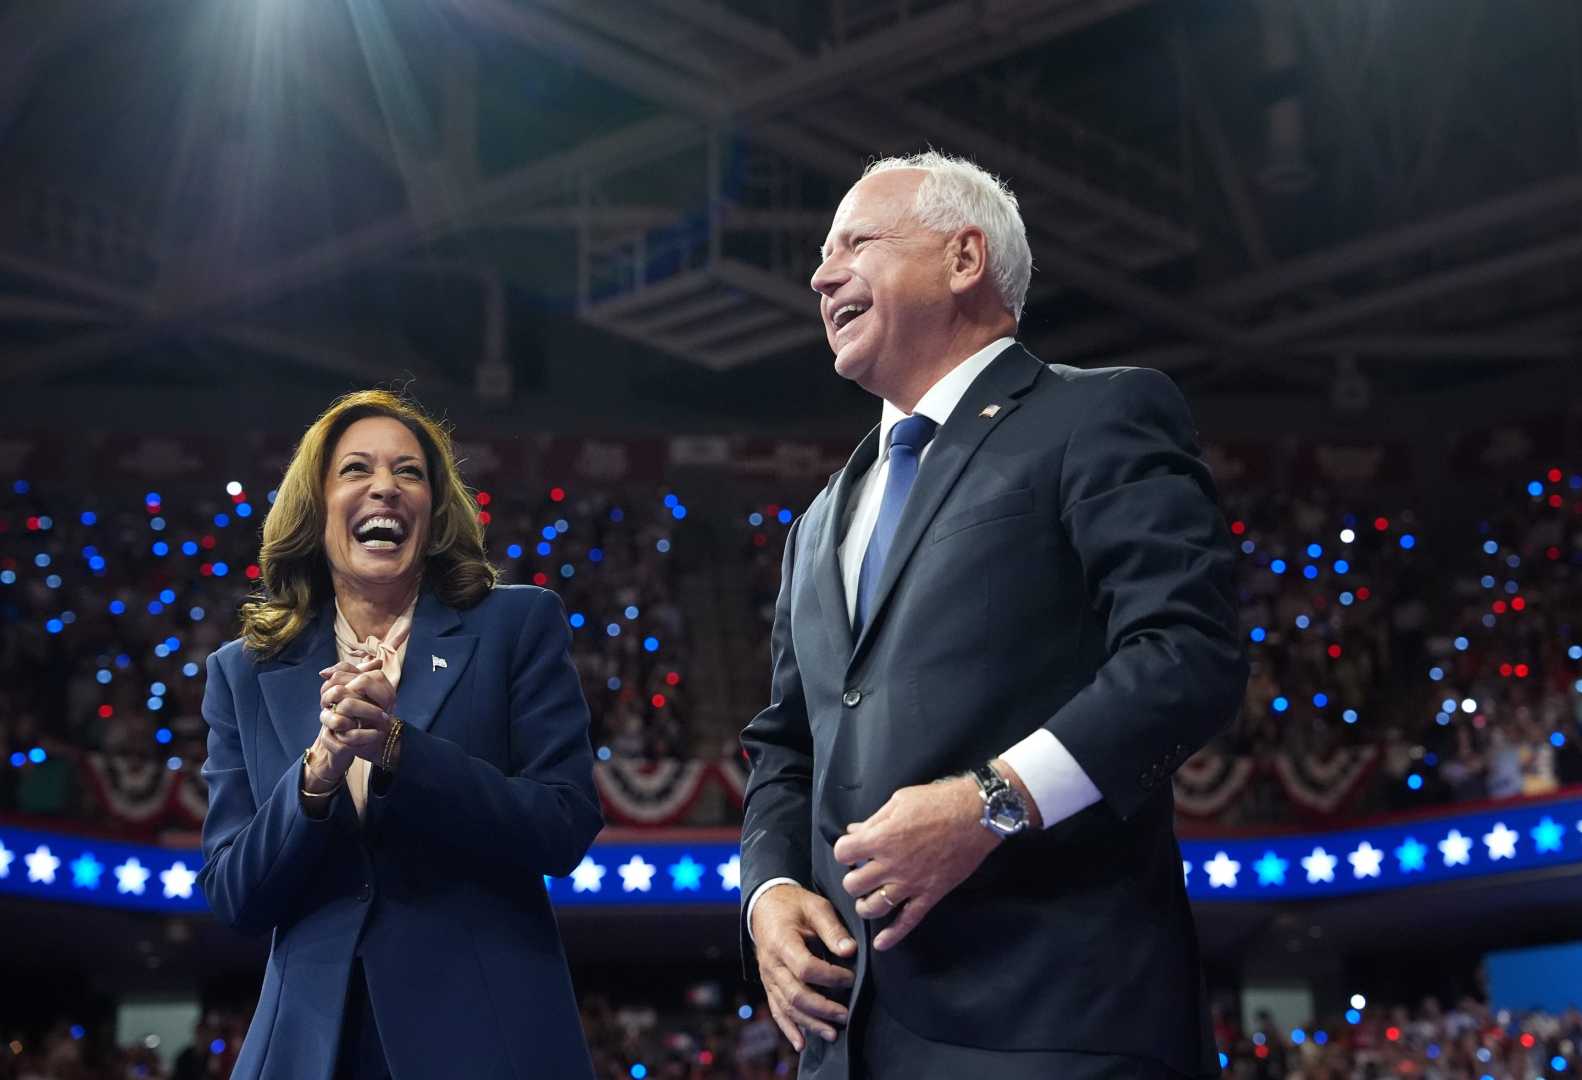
[785,919]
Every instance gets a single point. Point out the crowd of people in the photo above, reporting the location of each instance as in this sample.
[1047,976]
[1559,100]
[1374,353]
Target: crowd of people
[109,606]
[1453,653]
[711,1034]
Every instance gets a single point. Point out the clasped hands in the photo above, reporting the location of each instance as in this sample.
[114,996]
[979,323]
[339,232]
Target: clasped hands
[356,706]
[908,856]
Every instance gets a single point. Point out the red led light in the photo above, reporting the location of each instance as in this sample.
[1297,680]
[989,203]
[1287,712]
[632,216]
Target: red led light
[239,498]
[253,571]
[658,701]
[772,509]
[105,712]
[1363,593]
[673,679]
[1521,671]
[1556,501]
[1381,523]
[1552,552]
[759,539]
[557,494]
[484,517]
[207,543]
[541,579]
[32,524]
[1261,1051]
[1238,527]
[1554,476]
[484,498]
[1499,607]
[1334,652]
[1518,604]
[1392,1033]
[152,506]
[1506,670]
[705,1057]
[1527,1039]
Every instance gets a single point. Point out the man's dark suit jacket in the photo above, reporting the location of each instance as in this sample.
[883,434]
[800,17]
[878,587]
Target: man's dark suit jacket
[1060,563]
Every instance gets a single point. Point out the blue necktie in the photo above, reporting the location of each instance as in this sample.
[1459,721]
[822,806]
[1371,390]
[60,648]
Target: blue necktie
[907,440]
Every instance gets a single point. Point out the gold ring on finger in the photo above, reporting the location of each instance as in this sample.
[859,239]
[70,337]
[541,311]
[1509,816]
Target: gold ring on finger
[885,896]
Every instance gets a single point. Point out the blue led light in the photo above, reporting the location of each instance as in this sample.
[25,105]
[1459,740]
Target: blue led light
[37,755]
[1535,489]
[631,611]
[167,596]
[613,629]
[68,617]
[46,523]
[1310,572]
[1461,644]
[96,563]
[1408,541]
[1280,704]
[548,532]
[1248,547]
[1346,599]
[161,650]
[117,607]
[270,498]
[603,753]
[671,500]
[543,548]
[567,570]
[220,569]
[103,675]
[755,519]
[1487,581]
[78,1031]
[1490,547]
[196,614]
[163,736]
[1258,633]
[1320,700]
[678,512]
[595,555]
[1349,716]
[1557,1063]
[639,1071]
[41,560]
[152,498]
[173,643]
[190,670]
[53,581]
[1298,1036]
[614,682]
[1513,561]
[217,1047]
[1277,566]
[514,551]
[123,661]
[155,607]
[785,516]
[54,626]
[617,515]
[221,521]
[1314,551]
[577,620]
[18,759]
[746,1013]
[1436,673]
[562,525]
[20,487]
[158,689]
[1353,1016]
[157,524]
[189,547]
[1414,782]
[243,510]
[7,577]
[1575,652]
[89,517]
[154,705]
[662,546]
[1342,566]
[161,548]
[1557,739]
[651,644]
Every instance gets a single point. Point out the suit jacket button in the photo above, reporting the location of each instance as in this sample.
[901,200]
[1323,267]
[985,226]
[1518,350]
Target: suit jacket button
[851,698]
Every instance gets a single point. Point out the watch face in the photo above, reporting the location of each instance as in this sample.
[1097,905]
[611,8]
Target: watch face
[1007,814]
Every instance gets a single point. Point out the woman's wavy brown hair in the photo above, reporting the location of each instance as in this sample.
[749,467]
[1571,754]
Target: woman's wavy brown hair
[295,576]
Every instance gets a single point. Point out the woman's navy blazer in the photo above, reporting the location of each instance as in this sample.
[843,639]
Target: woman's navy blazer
[441,889]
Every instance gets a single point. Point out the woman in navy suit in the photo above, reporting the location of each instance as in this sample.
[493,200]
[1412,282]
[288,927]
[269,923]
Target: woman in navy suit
[398,754]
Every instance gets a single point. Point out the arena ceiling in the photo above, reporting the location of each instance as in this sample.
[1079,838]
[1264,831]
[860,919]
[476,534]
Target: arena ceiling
[1292,196]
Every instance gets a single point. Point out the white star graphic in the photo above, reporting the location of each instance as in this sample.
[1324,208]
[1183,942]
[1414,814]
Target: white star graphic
[41,865]
[131,876]
[178,882]
[6,855]
[636,875]
[588,876]
[730,873]
[1186,867]
[1365,860]
[1320,866]
[1501,841]
[1222,870]
[1456,848]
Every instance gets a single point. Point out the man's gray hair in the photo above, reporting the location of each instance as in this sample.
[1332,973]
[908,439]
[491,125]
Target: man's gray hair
[957,193]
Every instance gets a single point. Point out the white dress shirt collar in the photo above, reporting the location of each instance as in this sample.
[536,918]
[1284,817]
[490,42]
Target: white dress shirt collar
[941,399]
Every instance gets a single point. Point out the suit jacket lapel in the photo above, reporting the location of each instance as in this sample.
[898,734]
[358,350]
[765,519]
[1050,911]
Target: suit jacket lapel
[827,573]
[1002,382]
[291,685]
[435,660]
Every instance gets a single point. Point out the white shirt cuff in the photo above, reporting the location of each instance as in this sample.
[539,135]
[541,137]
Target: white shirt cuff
[1056,782]
[757,893]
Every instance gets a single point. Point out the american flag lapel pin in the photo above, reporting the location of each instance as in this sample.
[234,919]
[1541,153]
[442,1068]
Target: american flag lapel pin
[990,412]
[439,662]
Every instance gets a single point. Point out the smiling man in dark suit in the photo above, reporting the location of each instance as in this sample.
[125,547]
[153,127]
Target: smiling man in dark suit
[1000,629]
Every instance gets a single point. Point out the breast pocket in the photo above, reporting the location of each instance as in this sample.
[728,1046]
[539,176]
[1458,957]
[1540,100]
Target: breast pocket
[1010,504]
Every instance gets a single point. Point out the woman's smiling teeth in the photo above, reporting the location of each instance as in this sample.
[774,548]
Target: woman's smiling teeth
[381,533]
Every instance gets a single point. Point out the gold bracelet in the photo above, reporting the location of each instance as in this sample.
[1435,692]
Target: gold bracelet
[307,771]
[396,724]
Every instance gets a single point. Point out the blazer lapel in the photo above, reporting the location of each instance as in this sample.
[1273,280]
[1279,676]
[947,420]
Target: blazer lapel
[827,575]
[435,660]
[988,401]
[291,686]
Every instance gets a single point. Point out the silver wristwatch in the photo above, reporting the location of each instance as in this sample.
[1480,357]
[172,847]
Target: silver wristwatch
[1004,813]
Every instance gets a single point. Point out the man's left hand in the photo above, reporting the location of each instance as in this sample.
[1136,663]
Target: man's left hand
[913,851]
